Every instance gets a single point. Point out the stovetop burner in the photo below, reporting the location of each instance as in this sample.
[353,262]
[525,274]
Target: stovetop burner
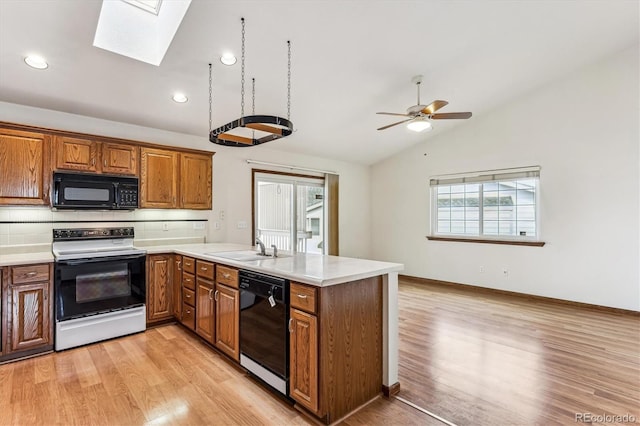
[81,243]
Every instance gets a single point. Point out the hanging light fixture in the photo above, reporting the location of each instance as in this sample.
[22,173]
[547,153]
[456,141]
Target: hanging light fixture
[271,127]
[419,124]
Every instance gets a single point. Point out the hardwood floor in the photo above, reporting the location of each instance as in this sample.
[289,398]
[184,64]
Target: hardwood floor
[473,359]
[496,359]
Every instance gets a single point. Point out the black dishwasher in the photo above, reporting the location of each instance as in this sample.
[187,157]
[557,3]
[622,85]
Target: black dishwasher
[264,336]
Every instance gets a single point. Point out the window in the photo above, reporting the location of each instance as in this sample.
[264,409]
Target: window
[500,204]
[289,211]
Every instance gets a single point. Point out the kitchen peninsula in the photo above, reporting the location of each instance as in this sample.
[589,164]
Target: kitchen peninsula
[344,312]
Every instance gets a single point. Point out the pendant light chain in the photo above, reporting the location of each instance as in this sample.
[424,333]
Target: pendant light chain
[210,97]
[253,96]
[289,80]
[242,75]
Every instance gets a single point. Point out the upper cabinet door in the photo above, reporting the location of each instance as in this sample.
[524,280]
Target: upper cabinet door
[195,182]
[158,178]
[76,154]
[119,159]
[25,171]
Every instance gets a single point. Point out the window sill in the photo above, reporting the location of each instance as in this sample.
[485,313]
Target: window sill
[478,240]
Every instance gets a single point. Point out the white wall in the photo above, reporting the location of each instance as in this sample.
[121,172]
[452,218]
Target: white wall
[583,131]
[231,180]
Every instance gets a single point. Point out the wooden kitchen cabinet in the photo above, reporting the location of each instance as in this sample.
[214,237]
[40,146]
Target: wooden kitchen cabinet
[159,289]
[175,179]
[73,153]
[228,320]
[176,282]
[195,181]
[329,325]
[27,309]
[303,358]
[90,155]
[119,159]
[205,305]
[158,178]
[25,167]
[205,310]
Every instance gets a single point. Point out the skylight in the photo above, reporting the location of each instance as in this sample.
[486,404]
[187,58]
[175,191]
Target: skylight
[139,29]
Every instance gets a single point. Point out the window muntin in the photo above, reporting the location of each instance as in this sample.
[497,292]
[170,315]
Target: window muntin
[495,205]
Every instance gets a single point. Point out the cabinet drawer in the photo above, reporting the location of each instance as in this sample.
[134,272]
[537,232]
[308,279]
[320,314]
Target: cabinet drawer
[30,273]
[188,297]
[189,265]
[227,276]
[303,297]
[189,281]
[189,316]
[204,269]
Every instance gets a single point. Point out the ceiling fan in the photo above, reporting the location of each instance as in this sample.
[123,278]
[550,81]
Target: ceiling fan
[421,115]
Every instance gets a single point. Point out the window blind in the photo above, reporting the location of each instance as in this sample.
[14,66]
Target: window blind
[486,176]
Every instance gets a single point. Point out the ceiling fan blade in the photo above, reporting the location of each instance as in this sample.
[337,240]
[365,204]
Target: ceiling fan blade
[451,115]
[434,106]
[395,113]
[395,124]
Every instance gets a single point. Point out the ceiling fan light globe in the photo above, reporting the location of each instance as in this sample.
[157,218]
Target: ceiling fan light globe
[419,125]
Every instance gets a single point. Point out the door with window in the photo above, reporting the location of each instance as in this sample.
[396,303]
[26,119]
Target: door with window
[289,212]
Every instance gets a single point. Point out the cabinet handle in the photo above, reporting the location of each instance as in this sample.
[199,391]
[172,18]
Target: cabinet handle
[93,161]
[203,268]
[32,274]
[179,262]
[188,296]
[211,294]
[226,275]
[290,325]
[105,162]
[215,295]
[46,294]
[188,311]
[302,296]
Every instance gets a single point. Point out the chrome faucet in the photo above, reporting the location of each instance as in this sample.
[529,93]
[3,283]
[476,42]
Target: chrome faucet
[275,250]
[261,244]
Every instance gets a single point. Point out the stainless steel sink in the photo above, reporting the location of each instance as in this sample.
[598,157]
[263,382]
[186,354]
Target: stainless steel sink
[243,255]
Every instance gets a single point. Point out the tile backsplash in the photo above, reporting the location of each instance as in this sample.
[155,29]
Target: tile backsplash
[148,225]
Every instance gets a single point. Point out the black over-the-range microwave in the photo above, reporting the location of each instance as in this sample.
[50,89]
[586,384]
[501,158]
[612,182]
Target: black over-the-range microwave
[92,191]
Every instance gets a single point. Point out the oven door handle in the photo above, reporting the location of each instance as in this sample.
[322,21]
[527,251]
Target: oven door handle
[98,259]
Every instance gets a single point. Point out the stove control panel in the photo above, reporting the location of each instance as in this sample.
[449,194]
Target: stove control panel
[91,233]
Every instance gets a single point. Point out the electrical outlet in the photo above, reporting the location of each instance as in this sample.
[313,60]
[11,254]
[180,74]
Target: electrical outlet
[221,215]
[198,225]
[165,226]
[505,272]
[242,224]
[482,269]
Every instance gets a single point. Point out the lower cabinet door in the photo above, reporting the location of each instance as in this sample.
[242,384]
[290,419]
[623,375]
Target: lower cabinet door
[30,316]
[159,292]
[228,320]
[177,286]
[303,358]
[205,310]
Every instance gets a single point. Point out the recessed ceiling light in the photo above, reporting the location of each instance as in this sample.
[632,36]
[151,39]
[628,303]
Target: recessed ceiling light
[180,98]
[37,62]
[228,59]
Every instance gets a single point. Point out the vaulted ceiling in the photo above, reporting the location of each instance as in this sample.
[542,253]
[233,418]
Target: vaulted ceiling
[350,59]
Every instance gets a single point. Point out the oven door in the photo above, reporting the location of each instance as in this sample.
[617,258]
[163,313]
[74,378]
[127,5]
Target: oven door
[88,286]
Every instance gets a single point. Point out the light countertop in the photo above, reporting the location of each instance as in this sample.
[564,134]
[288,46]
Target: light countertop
[26,258]
[313,269]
